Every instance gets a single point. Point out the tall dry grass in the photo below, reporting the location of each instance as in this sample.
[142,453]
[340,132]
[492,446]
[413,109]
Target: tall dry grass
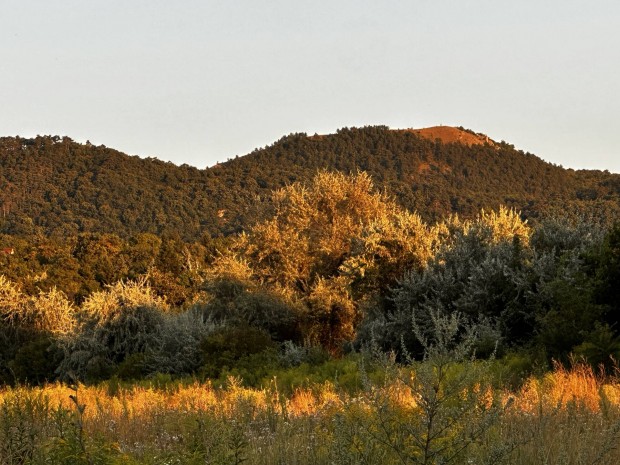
[569,416]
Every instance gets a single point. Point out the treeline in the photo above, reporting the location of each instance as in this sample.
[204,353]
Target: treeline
[54,186]
[335,266]
[85,263]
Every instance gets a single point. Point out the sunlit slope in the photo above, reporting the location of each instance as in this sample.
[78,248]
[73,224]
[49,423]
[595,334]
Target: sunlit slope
[57,186]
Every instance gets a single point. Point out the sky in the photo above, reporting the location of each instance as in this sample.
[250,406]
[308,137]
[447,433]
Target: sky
[199,82]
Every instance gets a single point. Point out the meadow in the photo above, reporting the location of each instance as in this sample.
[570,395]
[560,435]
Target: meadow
[567,416]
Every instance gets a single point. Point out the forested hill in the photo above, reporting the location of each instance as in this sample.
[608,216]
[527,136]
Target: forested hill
[55,186]
[61,187]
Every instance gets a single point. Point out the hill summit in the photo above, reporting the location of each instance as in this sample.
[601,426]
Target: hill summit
[450,134]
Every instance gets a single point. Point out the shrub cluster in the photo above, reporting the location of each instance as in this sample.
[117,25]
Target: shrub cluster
[336,266]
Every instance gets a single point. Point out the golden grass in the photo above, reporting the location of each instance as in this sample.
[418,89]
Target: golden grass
[569,411]
[579,385]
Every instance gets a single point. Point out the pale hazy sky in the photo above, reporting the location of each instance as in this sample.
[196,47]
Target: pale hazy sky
[201,81]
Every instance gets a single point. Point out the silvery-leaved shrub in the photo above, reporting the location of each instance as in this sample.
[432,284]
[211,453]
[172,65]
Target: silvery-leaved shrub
[125,319]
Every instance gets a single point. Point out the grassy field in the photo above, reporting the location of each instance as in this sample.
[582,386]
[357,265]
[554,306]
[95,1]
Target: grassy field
[564,417]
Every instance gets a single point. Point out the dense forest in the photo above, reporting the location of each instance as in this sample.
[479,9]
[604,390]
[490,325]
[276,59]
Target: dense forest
[56,187]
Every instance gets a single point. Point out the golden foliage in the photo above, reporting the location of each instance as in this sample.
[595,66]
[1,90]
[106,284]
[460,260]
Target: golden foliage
[313,228]
[317,423]
[332,313]
[123,294]
[391,244]
[329,245]
[49,312]
[505,224]
[11,301]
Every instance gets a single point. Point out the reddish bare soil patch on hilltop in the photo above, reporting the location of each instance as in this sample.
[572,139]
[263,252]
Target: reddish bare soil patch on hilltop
[449,134]
[446,134]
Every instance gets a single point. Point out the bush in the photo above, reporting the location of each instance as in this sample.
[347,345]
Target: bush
[132,367]
[36,361]
[293,355]
[427,412]
[342,372]
[177,349]
[29,331]
[125,319]
[224,348]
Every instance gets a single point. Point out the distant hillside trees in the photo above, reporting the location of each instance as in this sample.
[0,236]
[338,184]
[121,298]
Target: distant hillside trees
[56,187]
[86,263]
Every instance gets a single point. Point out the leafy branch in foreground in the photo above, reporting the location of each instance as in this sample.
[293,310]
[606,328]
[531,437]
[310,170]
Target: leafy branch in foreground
[438,410]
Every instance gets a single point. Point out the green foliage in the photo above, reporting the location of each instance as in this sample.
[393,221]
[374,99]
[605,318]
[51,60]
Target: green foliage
[85,263]
[242,347]
[71,445]
[477,272]
[332,263]
[177,349]
[24,422]
[294,355]
[514,367]
[125,319]
[322,262]
[59,187]
[606,262]
[210,440]
[453,404]
[601,348]
[533,289]
[132,367]
[344,373]
[568,320]
[35,362]
[30,328]
[236,300]
[254,370]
